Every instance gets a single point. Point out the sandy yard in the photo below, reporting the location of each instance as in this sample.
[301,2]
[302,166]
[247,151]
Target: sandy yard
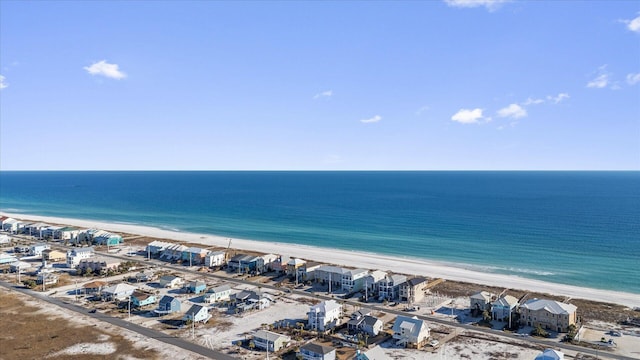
[37,330]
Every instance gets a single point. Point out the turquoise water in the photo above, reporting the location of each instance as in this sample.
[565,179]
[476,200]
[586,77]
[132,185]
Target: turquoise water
[578,228]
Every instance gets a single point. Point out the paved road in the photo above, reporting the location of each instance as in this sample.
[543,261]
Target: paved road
[212,354]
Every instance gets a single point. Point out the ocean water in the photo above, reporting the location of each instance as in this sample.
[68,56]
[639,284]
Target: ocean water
[577,228]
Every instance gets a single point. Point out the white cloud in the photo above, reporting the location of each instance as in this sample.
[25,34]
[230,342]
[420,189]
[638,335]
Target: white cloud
[3,84]
[602,80]
[558,98]
[327,94]
[374,119]
[513,111]
[489,4]
[105,69]
[466,116]
[633,79]
[532,101]
[633,24]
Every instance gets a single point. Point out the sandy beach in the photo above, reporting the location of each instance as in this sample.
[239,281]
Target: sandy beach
[358,259]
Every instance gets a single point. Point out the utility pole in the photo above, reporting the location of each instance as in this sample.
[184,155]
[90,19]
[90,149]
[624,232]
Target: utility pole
[129,306]
[76,292]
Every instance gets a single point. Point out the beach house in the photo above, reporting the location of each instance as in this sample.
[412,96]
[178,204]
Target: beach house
[196,287]
[410,332]
[270,341]
[74,256]
[167,305]
[314,351]
[197,313]
[94,287]
[389,287]
[307,271]
[292,267]
[170,281]
[550,354]
[54,255]
[139,299]
[504,308]
[353,280]
[19,266]
[194,255]
[173,252]
[214,258]
[118,292]
[156,247]
[7,258]
[325,315]
[372,281]
[549,314]
[101,237]
[331,275]
[97,265]
[480,302]
[245,264]
[362,322]
[218,293]
[37,249]
[48,278]
[413,290]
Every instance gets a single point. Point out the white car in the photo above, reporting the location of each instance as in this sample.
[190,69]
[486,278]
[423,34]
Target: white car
[434,343]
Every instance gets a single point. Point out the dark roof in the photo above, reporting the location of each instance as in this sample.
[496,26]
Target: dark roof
[317,348]
[194,309]
[417,280]
[140,295]
[167,299]
[370,320]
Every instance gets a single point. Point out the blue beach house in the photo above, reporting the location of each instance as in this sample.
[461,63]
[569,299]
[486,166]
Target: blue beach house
[196,287]
[168,305]
[139,299]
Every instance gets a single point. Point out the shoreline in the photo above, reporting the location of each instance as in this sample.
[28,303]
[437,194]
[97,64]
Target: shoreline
[359,259]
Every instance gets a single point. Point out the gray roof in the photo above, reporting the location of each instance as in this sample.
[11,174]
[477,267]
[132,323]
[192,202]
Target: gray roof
[268,335]
[194,309]
[371,320]
[417,280]
[167,299]
[551,306]
[317,348]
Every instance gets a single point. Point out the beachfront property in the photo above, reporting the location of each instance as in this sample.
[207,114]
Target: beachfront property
[242,263]
[118,292]
[170,281]
[372,280]
[410,332]
[173,252]
[504,308]
[325,315]
[97,265]
[270,262]
[48,278]
[307,271]
[156,247]
[389,287]
[139,299]
[197,313]
[52,232]
[353,280]
[550,354]
[313,351]
[215,258]
[549,314]
[168,305]
[481,301]
[330,275]
[74,256]
[194,255]
[94,287]
[12,225]
[219,293]
[54,255]
[195,287]
[362,322]
[413,290]
[270,341]
[37,249]
[69,233]
[101,237]
[293,265]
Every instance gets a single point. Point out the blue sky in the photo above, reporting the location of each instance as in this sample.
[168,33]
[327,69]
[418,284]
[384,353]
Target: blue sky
[432,85]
